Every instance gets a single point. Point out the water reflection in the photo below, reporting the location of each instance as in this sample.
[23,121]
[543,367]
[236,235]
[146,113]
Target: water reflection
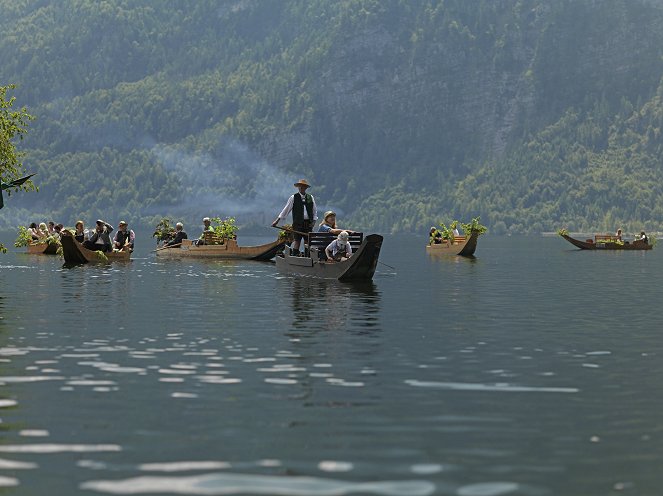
[331,305]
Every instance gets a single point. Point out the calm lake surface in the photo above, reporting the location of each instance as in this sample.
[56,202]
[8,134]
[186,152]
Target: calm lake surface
[533,369]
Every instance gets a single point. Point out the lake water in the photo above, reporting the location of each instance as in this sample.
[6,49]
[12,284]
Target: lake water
[532,369]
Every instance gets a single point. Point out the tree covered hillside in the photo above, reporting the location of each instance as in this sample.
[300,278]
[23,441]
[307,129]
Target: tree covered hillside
[532,114]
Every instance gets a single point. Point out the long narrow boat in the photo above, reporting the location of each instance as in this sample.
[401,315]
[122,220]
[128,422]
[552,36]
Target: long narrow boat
[75,253]
[228,250]
[43,248]
[462,246]
[607,242]
[359,267]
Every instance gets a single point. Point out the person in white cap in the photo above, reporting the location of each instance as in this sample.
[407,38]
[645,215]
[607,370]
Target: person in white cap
[207,226]
[179,235]
[339,249]
[304,213]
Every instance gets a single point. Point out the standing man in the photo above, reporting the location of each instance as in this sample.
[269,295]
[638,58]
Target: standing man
[304,212]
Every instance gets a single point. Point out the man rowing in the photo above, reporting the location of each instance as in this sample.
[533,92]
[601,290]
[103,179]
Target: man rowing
[304,213]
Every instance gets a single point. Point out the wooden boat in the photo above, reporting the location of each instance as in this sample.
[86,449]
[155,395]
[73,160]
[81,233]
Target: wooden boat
[360,266]
[75,253]
[607,242]
[462,246]
[215,250]
[42,248]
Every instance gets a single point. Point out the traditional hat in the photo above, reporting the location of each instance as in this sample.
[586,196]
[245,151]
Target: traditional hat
[302,182]
[328,213]
[123,223]
[179,224]
[206,219]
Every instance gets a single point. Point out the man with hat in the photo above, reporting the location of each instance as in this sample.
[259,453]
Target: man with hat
[304,213]
[124,238]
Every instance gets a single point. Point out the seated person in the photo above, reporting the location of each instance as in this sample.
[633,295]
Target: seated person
[207,227]
[124,238]
[618,235]
[43,230]
[643,237]
[58,229]
[339,250]
[81,233]
[100,239]
[435,236]
[179,235]
[51,227]
[34,231]
[328,224]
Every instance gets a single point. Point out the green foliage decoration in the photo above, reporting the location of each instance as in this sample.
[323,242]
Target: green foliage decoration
[164,231]
[286,233]
[563,232]
[474,226]
[24,238]
[224,229]
[101,256]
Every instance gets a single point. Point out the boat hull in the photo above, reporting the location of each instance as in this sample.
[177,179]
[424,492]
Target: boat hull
[359,267]
[229,250]
[75,253]
[42,249]
[590,245]
[464,248]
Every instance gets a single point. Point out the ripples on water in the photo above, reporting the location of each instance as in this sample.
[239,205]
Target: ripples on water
[531,369]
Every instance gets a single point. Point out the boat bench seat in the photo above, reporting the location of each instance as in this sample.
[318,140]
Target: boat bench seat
[605,238]
[319,241]
[211,238]
[459,239]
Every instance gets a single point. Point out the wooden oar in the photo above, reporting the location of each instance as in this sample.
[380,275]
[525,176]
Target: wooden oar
[290,230]
[166,247]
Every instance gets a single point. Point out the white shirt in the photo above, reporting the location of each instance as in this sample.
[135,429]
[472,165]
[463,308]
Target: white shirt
[288,208]
[334,248]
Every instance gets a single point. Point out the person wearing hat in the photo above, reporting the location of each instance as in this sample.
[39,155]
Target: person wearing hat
[100,239]
[304,212]
[328,224]
[124,238]
[179,235]
[339,249]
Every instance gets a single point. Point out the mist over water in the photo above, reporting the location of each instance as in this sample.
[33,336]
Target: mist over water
[238,183]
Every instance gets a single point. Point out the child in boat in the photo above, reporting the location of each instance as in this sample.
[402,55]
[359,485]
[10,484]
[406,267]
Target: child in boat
[340,249]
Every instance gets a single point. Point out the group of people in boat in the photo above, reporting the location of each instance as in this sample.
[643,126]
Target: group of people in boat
[180,235]
[44,230]
[643,237]
[436,237]
[95,239]
[304,216]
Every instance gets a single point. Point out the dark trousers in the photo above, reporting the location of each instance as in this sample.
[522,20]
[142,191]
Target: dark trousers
[94,246]
[305,227]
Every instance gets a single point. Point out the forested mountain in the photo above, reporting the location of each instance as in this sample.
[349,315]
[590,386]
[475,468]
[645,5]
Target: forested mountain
[532,114]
